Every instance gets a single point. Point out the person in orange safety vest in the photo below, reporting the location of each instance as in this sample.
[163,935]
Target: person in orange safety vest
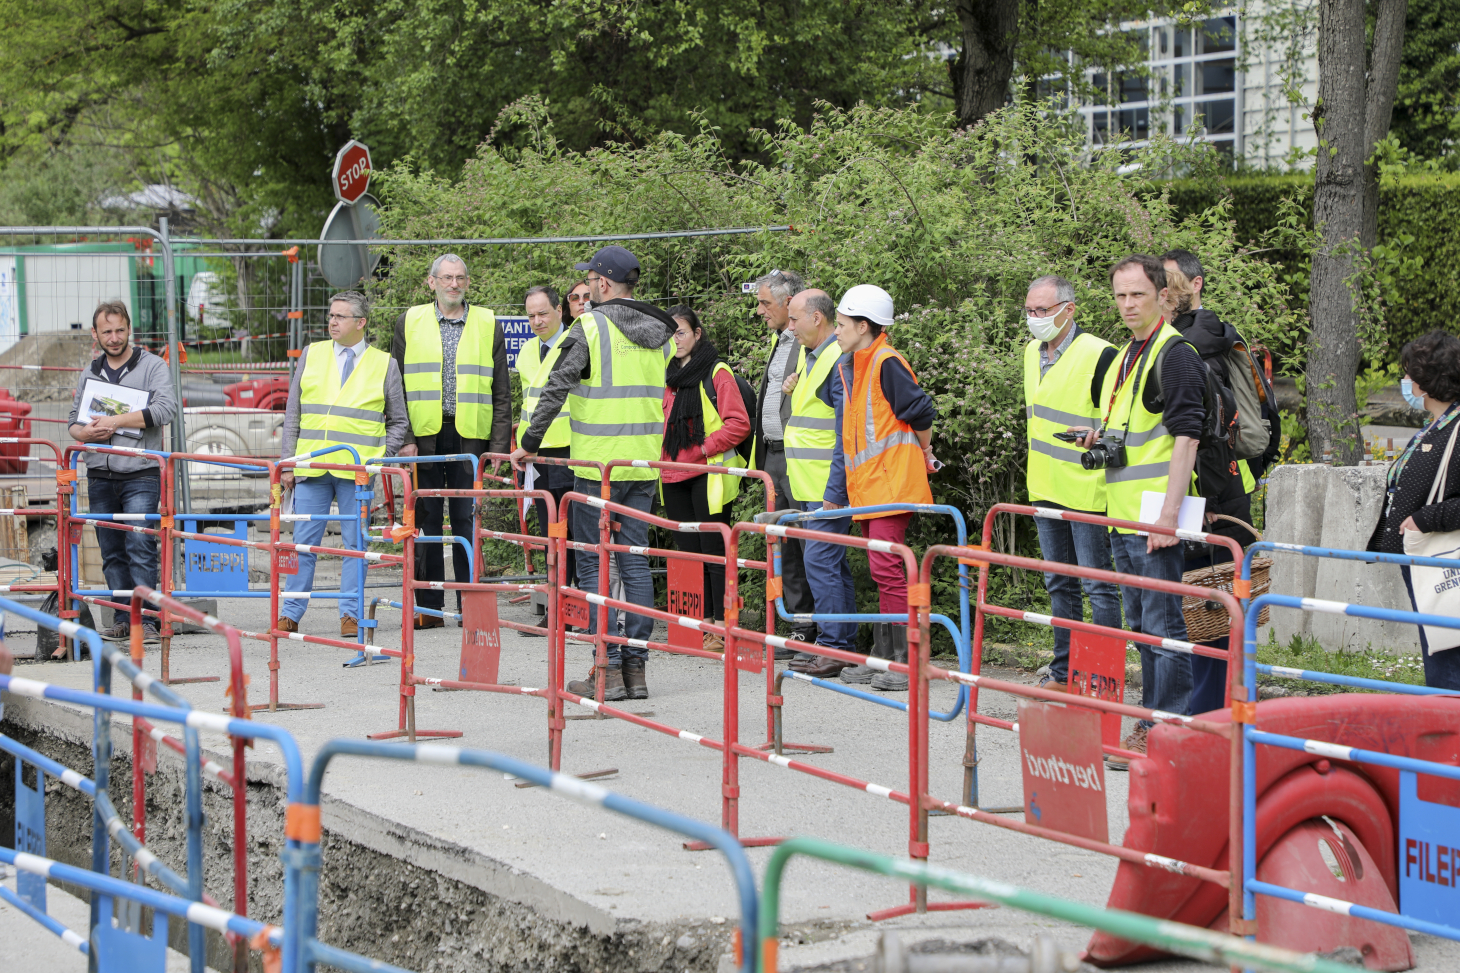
[883,452]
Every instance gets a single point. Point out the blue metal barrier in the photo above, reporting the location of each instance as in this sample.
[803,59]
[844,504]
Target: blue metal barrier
[960,632]
[1252,736]
[306,863]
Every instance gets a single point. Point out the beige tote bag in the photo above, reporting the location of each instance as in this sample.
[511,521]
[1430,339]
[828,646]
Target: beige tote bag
[1437,590]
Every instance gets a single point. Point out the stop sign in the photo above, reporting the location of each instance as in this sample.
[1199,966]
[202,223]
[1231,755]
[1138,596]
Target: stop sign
[352,172]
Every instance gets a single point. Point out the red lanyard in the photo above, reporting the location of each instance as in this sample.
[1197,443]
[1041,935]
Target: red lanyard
[1126,368]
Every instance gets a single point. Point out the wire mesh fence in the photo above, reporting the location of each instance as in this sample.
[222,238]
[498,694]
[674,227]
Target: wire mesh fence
[230,317]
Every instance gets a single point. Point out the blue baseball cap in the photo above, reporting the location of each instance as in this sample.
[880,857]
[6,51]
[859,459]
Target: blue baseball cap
[613,262]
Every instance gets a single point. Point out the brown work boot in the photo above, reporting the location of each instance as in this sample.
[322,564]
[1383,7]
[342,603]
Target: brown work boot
[634,679]
[1135,742]
[429,621]
[1054,685]
[286,624]
[613,684]
[349,628]
[712,643]
[825,667]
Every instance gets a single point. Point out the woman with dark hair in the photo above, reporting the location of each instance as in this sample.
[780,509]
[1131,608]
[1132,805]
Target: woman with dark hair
[704,420]
[1432,365]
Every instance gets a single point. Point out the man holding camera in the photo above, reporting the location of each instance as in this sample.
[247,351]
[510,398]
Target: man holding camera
[1147,443]
[1064,369]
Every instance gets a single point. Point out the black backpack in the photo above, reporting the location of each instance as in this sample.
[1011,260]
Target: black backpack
[1219,429]
[747,396]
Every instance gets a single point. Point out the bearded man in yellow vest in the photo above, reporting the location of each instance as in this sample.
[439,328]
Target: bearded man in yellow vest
[343,393]
[453,361]
[1064,370]
[1157,417]
[610,373]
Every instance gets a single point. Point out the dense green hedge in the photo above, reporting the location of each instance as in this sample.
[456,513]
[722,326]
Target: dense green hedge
[1415,214]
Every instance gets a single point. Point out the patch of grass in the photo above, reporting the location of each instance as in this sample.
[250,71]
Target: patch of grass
[1307,653]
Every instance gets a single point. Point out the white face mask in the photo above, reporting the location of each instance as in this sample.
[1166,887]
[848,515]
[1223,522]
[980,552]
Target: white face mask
[1044,329]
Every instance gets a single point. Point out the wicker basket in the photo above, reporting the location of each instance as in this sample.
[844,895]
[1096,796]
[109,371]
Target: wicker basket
[1206,620]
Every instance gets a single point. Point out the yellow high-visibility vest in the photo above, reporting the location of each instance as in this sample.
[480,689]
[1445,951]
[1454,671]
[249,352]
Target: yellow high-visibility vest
[618,411]
[422,372]
[1148,446]
[330,415]
[720,488]
[534,374]
[811,430]
[1052,403]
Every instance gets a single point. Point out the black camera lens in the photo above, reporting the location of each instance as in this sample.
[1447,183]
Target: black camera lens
[1093,458]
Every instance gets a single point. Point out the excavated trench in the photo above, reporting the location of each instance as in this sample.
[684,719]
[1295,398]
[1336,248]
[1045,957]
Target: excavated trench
[384,906]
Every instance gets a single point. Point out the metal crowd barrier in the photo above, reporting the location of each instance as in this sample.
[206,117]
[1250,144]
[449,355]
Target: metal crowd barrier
[1174,937]
[1424,854]
[187,900]
[983,558]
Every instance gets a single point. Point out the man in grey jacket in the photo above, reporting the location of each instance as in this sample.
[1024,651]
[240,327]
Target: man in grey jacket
[612,363]
[115,483]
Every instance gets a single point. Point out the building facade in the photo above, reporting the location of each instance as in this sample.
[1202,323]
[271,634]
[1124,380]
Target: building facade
[1221,80]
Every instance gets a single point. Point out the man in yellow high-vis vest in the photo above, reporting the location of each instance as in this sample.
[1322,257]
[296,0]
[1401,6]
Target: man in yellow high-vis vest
[1064,369]
[810,441]
[1158,420]
[610,373]
[453,361]
[535,363]
[344,393]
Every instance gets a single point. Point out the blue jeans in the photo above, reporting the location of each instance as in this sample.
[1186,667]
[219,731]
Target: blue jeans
[830,578]
[633,569]
[128,559]
[1442,669]
[313,495]
[1087,545]
[1165,675]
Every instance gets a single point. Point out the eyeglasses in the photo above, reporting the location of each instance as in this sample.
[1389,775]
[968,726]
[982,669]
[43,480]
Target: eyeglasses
[344,317]
[452,280]
[1044,312]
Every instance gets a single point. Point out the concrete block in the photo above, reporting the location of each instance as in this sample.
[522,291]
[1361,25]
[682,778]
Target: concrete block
[1294,515]
[1335,507]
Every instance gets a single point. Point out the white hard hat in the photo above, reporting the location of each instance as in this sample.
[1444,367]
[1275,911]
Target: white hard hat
[867,301]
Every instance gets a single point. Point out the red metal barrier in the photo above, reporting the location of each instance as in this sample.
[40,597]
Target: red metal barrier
[236,779]
[983,558]
[68,536]
[20,457]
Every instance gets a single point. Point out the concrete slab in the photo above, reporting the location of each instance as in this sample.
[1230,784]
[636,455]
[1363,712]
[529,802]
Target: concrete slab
[581,868]
[1334,507]
[29,946]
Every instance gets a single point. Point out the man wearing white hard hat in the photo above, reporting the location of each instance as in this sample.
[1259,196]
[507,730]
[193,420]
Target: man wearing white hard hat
[883,452]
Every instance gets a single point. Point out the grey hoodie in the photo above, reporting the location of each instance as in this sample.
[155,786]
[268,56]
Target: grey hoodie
[144,371]
[644,324]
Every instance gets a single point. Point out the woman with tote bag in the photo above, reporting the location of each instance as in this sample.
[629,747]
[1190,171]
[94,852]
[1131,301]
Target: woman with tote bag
[1422,503]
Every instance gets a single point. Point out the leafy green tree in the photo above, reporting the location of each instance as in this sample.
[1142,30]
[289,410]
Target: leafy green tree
[1427,116]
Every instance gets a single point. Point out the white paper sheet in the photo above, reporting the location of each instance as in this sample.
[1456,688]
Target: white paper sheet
[1189,517]
[529,477]
[100,398]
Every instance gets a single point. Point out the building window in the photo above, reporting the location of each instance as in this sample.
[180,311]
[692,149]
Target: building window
[1191,88]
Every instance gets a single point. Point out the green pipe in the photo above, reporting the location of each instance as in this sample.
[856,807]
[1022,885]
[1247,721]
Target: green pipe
[1173,937]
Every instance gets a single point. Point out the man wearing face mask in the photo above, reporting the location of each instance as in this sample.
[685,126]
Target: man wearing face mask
[1064,368]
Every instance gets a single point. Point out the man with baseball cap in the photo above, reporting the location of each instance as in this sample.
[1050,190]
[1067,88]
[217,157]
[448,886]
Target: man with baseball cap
[882,454]
[611,372]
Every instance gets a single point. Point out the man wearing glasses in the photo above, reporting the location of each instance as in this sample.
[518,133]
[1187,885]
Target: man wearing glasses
[344,393]
[772,410]
[453,359]
[1064,367]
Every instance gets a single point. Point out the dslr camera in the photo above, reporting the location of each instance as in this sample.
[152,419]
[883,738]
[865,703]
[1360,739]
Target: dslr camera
[1108,453]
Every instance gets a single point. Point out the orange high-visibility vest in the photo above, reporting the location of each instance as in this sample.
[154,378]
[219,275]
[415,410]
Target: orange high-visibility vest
[884,461]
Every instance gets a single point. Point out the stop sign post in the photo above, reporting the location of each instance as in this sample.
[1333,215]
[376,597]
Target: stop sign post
[352,219]
[351,176]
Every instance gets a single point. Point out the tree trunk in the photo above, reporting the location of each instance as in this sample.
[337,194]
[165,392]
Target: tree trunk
[1338,216]
[983,68]
[1379,103]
